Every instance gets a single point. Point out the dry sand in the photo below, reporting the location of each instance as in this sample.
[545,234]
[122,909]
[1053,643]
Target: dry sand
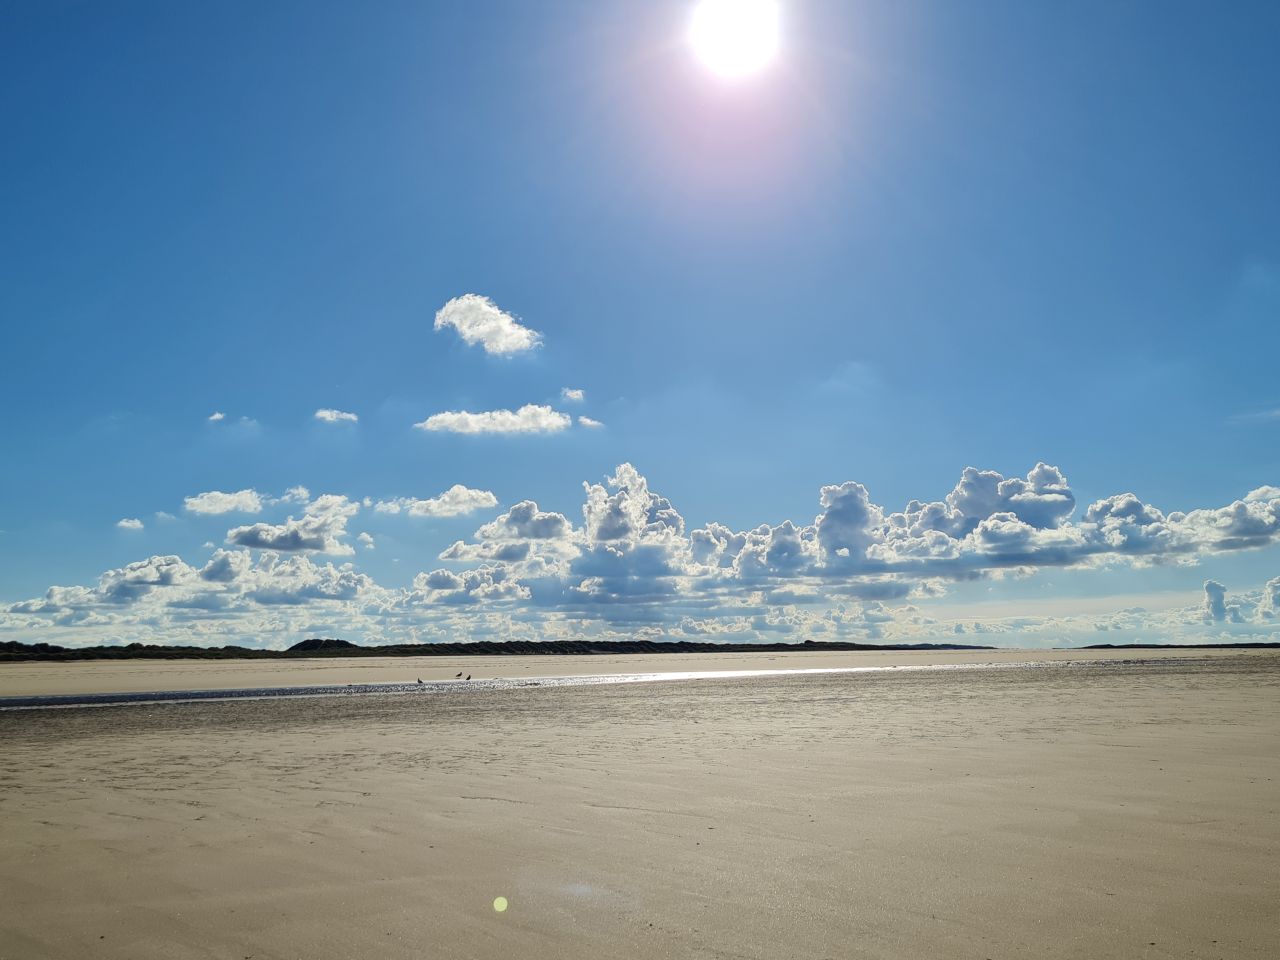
[1121,810]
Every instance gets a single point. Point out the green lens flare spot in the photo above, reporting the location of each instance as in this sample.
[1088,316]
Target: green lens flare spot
[500,904]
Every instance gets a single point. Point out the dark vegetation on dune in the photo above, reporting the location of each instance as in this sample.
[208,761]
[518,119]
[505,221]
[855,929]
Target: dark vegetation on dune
[11,650]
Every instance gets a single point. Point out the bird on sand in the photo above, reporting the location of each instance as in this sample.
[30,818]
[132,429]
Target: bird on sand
[457,675]
[468,676]
[419,679]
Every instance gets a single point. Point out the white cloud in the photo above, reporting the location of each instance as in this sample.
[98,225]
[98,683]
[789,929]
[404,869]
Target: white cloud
[298,494]
[531,418]
[589,423]
[129,523]
[1216,609]
[525,521]
[215,501]
[216,416]
[572,395]
[631,569]
[319,530]
[335,416]
[529,540]
[478,320]
[1262,494]
[1269,608]
[470,586]
[454,502]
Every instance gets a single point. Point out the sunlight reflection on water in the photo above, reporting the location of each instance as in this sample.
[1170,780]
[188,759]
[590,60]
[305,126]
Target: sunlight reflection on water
[455,687]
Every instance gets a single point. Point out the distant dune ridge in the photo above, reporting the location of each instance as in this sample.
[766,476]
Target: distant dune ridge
[12,650]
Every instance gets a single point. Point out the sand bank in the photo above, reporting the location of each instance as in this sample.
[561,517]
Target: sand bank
[105,676]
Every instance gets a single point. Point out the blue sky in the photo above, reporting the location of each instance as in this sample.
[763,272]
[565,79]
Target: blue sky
[925,237]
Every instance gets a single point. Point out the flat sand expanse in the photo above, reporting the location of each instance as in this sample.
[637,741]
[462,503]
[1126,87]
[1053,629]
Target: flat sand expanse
[138,676]
[1110,810]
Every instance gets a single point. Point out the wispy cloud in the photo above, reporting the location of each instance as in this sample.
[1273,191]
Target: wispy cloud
[589,423]
[215,501]
[335,416]
[454,502]
[572,395]
[531,418]
[129,523]
[216,416]
[479,320]
[1257,416]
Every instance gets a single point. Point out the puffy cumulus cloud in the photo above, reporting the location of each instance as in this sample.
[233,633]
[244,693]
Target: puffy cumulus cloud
[129,523]
[849,523]
[232,598]
[478,320]
[780,551]
[1127,525]
[525,521]
[226,566]
[1240,525]
[716,545]
[1215,601]
[454,502]
[632,568]
[296,580]
[1218,609]
[1042,500]
[531,418]
[135,579]
[319,530]
[216,416]
[932,530]
[630,512]
[327,415]
[1269,608]
[632,544]
[572,395]
[215,501]
[470,586]
[366,541]
[526,538]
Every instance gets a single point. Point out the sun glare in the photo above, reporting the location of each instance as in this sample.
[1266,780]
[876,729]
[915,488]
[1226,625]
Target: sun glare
[735,37]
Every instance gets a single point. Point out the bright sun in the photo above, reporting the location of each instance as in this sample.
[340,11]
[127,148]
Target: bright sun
[735,37]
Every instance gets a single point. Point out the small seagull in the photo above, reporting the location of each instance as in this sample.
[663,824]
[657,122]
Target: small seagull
[468,676]
[419,679]
[457,675]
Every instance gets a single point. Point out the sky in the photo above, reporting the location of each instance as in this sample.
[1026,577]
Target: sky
[464,321]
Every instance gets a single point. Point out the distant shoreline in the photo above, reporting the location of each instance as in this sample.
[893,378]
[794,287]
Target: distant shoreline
[13,651]
[1177,646]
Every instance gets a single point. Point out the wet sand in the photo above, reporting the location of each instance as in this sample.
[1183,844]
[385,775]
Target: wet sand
[1105,810]
[106,676]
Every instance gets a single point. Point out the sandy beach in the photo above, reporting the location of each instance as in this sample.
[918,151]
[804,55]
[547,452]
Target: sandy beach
[1104,810]
[103,676]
